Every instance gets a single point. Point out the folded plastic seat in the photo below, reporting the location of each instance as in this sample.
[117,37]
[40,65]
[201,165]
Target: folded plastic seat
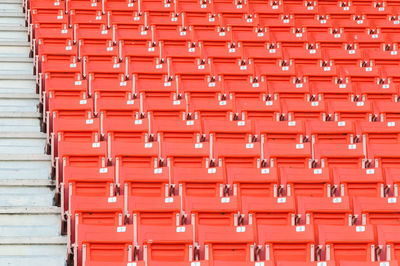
[181,49]
[311,182]
[190,154]
[250,107]
[103,245]
[109,82]
[200,87]
[330,88]
[172,32]
[376,211]
[96,47]
[124,127]
[121,5]
[49,4]
[322,69]
[87,15]
[249,33]
[130,33]
[211,33]
[228,245]
[271,210]
[368,263]
[388,110]
[324,211]
[222,52]
[72,129]
[233,143]
[288,87]
[276,21]
[144,183]
[256,6]
[232,66]
[303,110]
[259,183]
[287,243]
[279,70]
[115,101]
[84,5]
[310,263]
[135,154]
[198,182]
[308,52]
[281,131]
[48,14]
[87,154]
[211,106]
[93,211]
[282,141]
[164,105]
[172,133]
[261,47]
[344,9]
[388,239]
[150,207]
[198,15]
[70,108]
[348,110]
[149,65]
[124,13]
[52,44]
[392,181]
[344,155]
[216,218]
[94,30]
[165,247]
[62,85]
[157,215]
[316,23]
[102,64]
[285,154]
[359,182]
[161,6]
[87,193]
[246,87]
[52,31]
[384,154]
[58,63]
[347,243]
[88,182]
[291,36]
[348,53]
[379,90]
[380,132]
[306,8]
[332,132]
[229,6]
[189,66]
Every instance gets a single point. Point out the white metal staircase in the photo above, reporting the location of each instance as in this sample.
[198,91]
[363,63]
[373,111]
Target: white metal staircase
[30,231]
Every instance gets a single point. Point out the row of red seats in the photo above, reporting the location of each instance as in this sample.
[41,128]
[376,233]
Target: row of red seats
[216,106]
[216,66]
[372,42]
[240,131]
[305,8]
[352,192]
[218,151]
[236,245]
[160,220]
[233,181]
